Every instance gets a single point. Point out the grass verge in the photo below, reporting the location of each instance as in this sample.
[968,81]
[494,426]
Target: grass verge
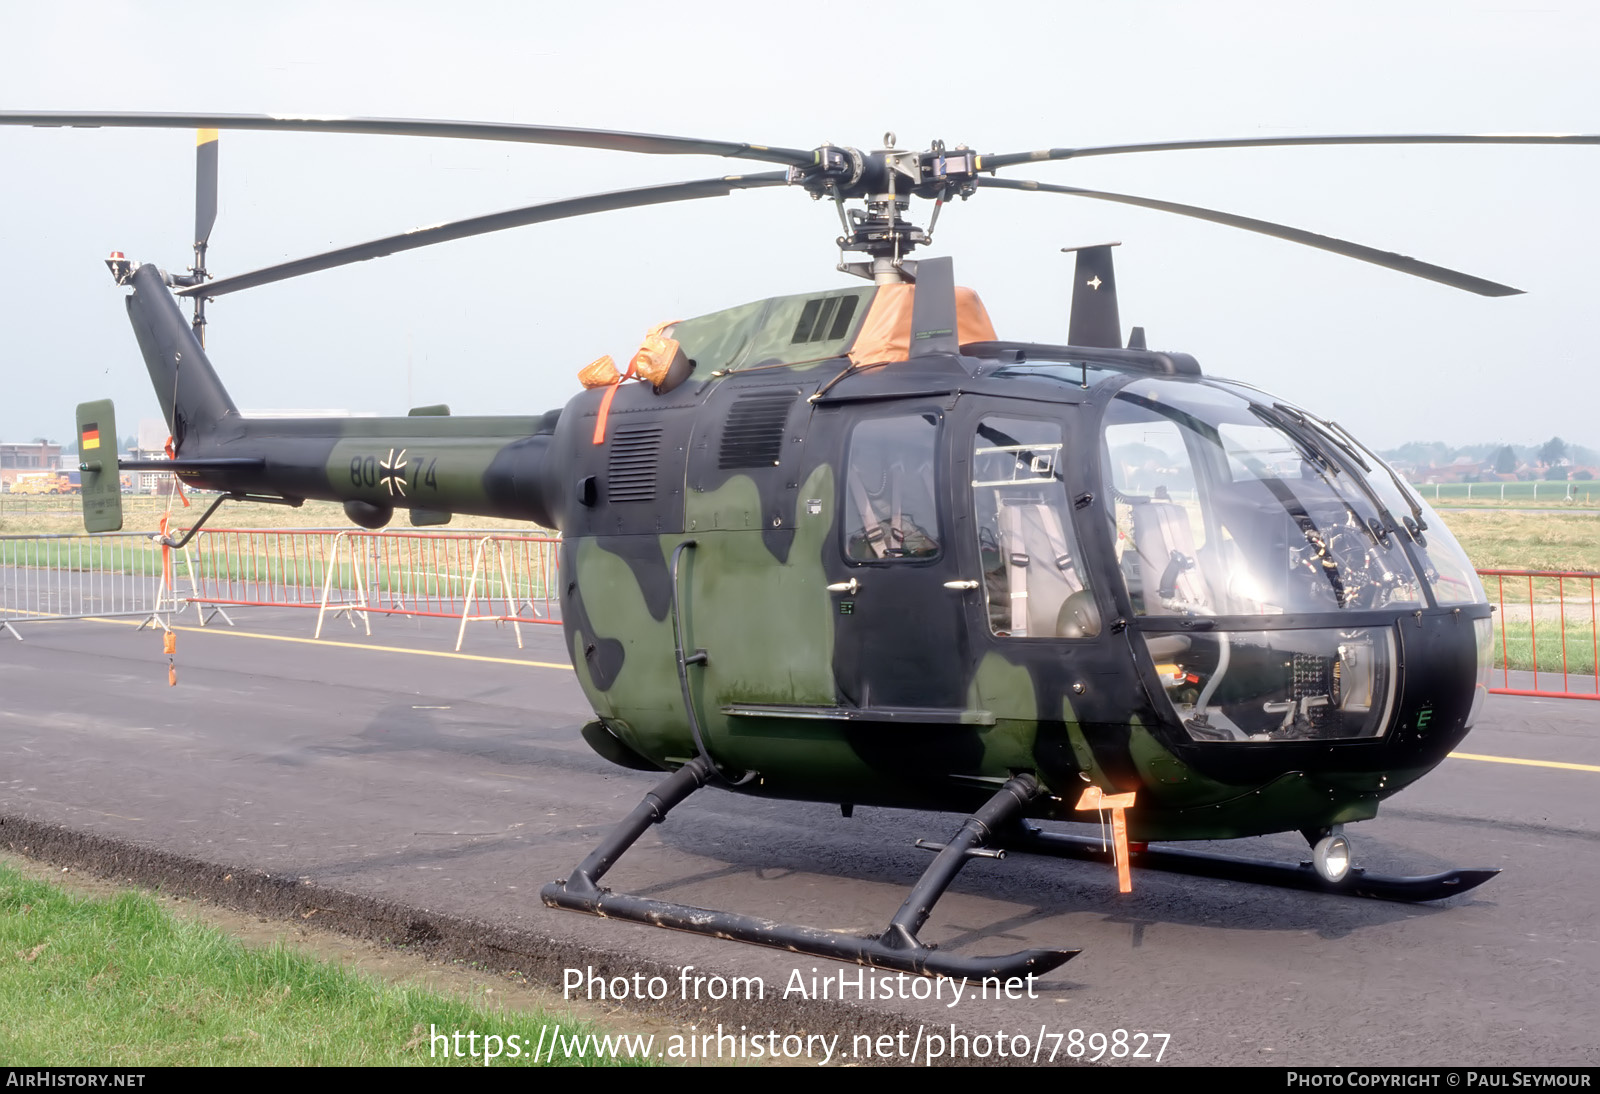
[442,565]
[1575,658]
[64,515]
[1582,493]
[119,981]
[1529,541]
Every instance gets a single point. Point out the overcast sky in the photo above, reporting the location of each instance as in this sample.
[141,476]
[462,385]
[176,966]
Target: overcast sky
[503,323]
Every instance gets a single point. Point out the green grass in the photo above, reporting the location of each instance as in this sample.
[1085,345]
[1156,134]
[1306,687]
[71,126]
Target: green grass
[1531,610]
[1529,541]
[44,516]
[119,981]
[120,555]
[1582,494]
[25,515]
[441,573]
[1535,614]
[1519,643]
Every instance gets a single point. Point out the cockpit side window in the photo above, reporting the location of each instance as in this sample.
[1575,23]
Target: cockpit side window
[890,503]
[1032,572]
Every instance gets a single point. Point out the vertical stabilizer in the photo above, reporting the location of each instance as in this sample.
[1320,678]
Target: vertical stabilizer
[1095,321]
[192,398]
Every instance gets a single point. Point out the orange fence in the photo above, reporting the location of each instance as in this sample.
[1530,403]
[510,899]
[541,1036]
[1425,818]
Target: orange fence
[470,576]
[1545,626]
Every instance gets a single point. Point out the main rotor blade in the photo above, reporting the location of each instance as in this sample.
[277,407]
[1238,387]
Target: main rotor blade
[491,222]
[205,185]
[614,140]
[1010,159]
[1388,259]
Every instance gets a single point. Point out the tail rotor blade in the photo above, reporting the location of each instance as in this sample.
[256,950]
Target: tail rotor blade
[205,186]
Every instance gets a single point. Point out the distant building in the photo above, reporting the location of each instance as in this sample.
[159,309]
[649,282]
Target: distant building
[18,458]
[152,446]
[1460,469]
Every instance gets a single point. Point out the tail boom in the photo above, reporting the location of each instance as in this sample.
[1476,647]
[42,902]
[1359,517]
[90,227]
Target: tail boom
[488,466]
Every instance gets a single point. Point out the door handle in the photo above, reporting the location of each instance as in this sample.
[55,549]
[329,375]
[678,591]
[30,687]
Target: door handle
[845,586]
[960,585]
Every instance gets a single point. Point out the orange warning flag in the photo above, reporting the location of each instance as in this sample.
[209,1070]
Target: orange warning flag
[1119,804]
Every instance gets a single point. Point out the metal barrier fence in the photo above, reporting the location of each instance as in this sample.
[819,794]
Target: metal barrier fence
[470,576]
[1580,492]
[78,576]
[1546,622]
[1545,625]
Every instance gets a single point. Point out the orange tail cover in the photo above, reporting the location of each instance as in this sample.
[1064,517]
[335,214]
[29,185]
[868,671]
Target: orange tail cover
[886,331]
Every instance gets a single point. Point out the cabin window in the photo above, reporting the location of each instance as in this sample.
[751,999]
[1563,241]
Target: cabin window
[890,506]
[1032,572]
[1328,684]
[1222,508]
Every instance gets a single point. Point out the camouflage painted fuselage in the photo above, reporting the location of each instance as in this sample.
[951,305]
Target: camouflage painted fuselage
[858,662]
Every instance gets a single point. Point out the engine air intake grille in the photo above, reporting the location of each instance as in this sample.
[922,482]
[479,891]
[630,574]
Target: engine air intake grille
[631,470]
[824,319]
[753,436]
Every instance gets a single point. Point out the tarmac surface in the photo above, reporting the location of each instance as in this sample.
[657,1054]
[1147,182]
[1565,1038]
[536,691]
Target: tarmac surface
[392,789]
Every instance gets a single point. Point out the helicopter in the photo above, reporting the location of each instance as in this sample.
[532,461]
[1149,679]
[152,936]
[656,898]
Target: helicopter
[852,547]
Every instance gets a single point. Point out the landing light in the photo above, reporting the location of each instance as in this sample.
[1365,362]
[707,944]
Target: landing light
[1331,855]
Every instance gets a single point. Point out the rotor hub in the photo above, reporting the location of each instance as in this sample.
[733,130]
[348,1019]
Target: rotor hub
[886,179]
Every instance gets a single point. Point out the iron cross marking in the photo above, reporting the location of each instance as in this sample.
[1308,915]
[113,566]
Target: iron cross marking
[392,472]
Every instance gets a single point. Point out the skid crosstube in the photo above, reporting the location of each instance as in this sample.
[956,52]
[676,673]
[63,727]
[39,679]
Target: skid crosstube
[1031,840]
[897,949]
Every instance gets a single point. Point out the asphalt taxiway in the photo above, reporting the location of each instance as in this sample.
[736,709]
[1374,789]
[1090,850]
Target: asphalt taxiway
[396,789]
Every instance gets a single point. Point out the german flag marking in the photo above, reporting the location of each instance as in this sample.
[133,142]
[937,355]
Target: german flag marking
[91,436]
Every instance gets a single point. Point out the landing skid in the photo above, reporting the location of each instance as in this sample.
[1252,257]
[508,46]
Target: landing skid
[897,949]
[1031,840]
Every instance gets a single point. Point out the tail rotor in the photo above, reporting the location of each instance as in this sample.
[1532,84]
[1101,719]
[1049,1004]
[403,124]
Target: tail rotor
[205,217]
